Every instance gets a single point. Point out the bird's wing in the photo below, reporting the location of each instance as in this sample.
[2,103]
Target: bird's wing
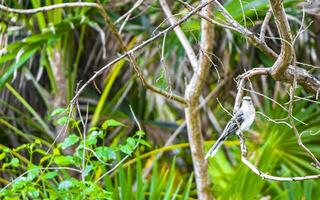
[234,123]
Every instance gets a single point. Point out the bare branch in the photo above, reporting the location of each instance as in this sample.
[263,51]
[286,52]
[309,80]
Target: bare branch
[153,88]
[304,78]
[249,74]
[125,16]
[183,39]
[190,8]
[265,24]
[145,43]
[263,175]
[290,114]
[48,8]
[285,57]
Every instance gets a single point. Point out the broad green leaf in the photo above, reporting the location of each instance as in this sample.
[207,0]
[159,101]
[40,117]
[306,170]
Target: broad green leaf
[131,142]
[56,151]
[162,80]
[127,149]
[111,122]
[62,120]
[69,141]
[66,184]
[88,169]
[140,133]
[14,162]
[33,193]
[143,142]
[20,183]
[33,171]
[92,137]
[64,160]
[105,153]
[6,149]
[49,175]
[57,111]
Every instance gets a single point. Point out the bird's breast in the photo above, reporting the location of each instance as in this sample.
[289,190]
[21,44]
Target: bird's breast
[248,120]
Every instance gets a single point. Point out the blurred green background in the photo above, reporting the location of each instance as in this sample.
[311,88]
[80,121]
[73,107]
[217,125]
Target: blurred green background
[45,55]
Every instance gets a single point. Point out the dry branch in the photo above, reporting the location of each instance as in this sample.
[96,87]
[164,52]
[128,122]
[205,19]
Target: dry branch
[286,54]
[263,175]
[181,36]
[304,78]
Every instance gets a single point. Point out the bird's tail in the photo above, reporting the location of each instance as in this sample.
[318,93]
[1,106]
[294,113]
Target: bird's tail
[216,146]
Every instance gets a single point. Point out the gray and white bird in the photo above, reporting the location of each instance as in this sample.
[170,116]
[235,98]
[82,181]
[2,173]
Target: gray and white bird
[241,121]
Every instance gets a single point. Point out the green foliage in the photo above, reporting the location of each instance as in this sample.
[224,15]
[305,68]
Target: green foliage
[57,176]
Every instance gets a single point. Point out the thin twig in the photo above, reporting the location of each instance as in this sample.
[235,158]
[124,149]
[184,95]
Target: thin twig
[263,175]
[145,43]
[181,36]
[84,144]
[125,16]
[51,7]
[265,24]
[295,130]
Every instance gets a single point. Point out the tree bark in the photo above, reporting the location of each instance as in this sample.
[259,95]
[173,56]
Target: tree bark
[193,120]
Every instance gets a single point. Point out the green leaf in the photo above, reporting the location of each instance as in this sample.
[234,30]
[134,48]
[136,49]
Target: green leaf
[111,122]
[49,175]
[92,138]
[140,133]
[6,149]
[88,169]
[67,184]
[33,193]
[131,142]
[127,149]
[64,160]
[57,111]
[105,153]
[187,188]
[20,183]
[69,141]
[162,81]
[33,171]
[37,141]
[15,66]
[2,155]
[143,142]
[14,162]
[62,120]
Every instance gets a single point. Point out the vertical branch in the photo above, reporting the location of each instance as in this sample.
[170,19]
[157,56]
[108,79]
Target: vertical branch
[193,121]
